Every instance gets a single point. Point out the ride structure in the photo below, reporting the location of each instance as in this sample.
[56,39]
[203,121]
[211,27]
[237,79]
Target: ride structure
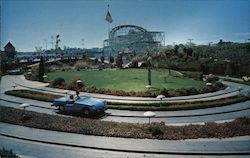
[132,39]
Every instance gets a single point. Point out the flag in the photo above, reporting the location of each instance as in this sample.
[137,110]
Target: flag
[109,17]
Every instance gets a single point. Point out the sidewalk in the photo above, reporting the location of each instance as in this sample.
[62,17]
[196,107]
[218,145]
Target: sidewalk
[234,146]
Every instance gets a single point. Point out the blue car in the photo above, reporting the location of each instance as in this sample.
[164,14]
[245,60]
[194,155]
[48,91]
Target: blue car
[83,105]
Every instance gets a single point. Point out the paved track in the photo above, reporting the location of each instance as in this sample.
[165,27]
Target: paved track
[29,142]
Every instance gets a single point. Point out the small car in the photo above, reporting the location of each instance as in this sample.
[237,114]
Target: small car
[82,105]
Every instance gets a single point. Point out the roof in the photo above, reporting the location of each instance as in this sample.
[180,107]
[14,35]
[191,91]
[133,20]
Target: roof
[9,45]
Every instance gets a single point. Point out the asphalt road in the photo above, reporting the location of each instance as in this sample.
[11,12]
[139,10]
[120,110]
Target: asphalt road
[224,113]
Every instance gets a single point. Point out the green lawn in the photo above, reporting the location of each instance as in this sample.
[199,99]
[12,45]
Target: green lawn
[128,79]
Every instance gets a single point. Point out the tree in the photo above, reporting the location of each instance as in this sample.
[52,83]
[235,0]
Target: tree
[168,54]
[149,66]
[111,59]
[41,70]
[96,60]
[119,61]
[134,62]
[102,59]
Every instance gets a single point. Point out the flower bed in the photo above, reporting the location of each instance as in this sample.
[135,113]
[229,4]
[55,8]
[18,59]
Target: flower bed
[33,95]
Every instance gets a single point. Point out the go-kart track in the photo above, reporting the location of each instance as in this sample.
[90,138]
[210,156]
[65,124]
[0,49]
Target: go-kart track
[234,147]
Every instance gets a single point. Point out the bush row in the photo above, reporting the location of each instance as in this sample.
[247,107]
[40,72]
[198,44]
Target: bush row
[177,106]
[167,92]
[33,95]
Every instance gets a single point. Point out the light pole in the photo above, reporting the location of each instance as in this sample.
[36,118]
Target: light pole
[161,97]
[149,66]
[78,84]
[149,114]
[44,77]
[24,105]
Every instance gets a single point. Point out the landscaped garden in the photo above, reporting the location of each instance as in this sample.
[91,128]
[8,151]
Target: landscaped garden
[131,82]
[128,79]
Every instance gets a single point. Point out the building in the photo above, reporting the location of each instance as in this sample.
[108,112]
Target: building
[132,39]
[9,51]
[7,57]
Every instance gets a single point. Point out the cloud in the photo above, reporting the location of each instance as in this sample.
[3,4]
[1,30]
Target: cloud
[241,33]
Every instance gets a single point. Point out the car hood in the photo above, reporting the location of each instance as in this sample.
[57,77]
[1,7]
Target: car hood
[98,103]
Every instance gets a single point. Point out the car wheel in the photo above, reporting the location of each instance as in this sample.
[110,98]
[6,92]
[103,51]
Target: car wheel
[86,111]
[61,108]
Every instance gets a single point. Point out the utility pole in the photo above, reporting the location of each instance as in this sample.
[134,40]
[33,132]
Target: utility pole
[45,44]
[82,43]
[52,42]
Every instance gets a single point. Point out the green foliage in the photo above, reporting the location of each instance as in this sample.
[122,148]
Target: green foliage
[7,154]
[73,85]
[119,61]
[176,106]
[58,82]
[111,59]
[192,74]
[33,95]
[155,130]
[41,70]
[102,59]
[96,60]
[81,65]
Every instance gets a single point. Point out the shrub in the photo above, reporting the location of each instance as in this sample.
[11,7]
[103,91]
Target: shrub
[81,65]
[192,91]
[194,75]
[7,154]
[58,82]
[73,85]
[211,78]
[155,130]
[218,85]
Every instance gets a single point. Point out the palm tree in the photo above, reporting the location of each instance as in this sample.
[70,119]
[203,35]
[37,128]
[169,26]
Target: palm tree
[149,66]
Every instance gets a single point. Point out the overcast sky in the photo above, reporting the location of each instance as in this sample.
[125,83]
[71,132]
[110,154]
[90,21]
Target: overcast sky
[28,23]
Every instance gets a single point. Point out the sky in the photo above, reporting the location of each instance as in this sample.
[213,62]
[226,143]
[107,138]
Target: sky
[28,23]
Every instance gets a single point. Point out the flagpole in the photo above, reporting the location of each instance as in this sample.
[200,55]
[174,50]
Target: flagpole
[109,34]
